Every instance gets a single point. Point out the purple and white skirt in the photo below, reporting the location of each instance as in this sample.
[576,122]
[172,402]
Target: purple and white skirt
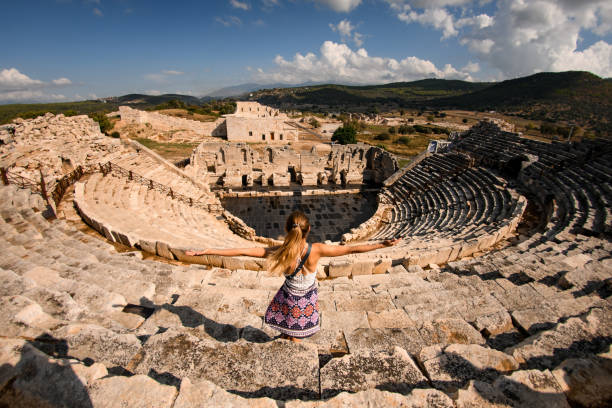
[294,312]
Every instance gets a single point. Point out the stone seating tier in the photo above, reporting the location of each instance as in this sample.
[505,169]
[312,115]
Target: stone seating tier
[481,330]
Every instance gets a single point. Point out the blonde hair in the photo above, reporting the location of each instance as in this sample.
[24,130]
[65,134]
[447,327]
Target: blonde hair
[297,227]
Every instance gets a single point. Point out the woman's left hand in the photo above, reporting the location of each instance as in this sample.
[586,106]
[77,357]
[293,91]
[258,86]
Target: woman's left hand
[391,242]
[194,253]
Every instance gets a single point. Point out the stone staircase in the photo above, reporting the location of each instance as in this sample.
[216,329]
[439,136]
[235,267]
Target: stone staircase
[87,326]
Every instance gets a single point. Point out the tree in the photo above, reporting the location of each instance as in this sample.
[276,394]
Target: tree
[314,123]
[105,124]
[464,120]
[382,136]
[392,130]
[346,134]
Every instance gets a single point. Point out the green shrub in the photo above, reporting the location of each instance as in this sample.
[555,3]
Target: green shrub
[32,114]
[105,124]
[405,129]
[405,140]
[382,136]
[392,130]
[346,134]
[115,135]
[314,123]
[464,120]
[422,129]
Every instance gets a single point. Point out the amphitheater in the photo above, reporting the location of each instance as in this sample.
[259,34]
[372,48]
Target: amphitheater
[498,294]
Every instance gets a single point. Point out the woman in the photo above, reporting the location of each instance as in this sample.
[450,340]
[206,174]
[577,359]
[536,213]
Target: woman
[294,311]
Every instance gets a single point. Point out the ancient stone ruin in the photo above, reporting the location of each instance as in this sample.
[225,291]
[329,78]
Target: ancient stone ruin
[251,122]
[498,296]
[238,165]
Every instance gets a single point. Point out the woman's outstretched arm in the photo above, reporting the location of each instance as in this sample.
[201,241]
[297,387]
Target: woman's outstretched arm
[325,250]
[258,252]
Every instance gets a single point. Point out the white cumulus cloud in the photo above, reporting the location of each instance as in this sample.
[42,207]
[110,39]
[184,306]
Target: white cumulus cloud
[341,6]
[240,4]
[172,72]
[522,36]
[12,79]
[346,31]
[18,87]
[61,81]
[229,21]
[339,63]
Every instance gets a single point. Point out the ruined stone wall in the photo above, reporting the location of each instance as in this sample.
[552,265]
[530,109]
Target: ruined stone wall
[164,122]
[259,129]
[54,145]
[257,110]
[237,165]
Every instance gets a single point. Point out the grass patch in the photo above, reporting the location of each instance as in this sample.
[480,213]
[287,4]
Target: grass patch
[403,163]
[409,145]
[169,151]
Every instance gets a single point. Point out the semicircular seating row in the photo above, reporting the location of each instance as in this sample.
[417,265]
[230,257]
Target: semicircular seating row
[572,181]
[441,198]
[66,299]
[135,215]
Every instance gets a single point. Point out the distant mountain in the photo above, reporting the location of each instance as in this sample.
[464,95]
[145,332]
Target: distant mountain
[243,89]
[141,99]
[348,97]
[572,96]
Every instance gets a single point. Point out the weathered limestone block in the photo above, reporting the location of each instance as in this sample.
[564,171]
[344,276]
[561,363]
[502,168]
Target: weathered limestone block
[446,331]
[30,378]
[338,268]
[452,367]
[480,394]
[58,304]
[148,246]
[365,369]
[535,320]
[346,321]
[395,318]
[472,307]
[162,249]
[586,382]
[384,339]
[99,344]
[277,369]
[549,348]
[328,341]
[362,268]
[205,393]
[13,284]
[22,317]
[139,391]
[418,398]
[381,266]
[494,323]
[374,302]
[599,321]
[532,388]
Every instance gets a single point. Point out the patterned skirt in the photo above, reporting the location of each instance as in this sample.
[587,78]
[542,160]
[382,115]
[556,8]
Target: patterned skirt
[294,312]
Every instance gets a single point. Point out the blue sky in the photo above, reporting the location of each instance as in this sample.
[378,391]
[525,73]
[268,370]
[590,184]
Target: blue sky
[60,50]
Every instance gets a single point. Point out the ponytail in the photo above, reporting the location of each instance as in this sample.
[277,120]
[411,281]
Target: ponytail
[297,227]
